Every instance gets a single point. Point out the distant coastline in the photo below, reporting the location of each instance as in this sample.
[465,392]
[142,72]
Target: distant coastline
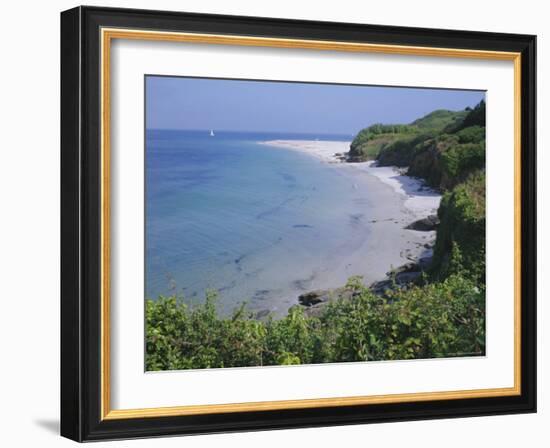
[325,150]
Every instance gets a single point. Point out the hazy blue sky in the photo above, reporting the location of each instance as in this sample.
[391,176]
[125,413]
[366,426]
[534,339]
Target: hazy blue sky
[187,103]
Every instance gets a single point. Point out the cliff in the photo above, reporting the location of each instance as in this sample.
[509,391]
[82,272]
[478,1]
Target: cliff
[450,147]
[447,150]
[443,147]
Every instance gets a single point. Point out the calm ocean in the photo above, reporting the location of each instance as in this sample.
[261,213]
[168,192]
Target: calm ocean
[256,223]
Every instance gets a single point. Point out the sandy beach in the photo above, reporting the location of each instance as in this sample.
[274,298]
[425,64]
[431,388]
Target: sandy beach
[324,150]
[401,200]
[419,199]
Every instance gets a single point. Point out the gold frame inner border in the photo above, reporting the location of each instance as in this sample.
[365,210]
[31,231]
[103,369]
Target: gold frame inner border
[107,35]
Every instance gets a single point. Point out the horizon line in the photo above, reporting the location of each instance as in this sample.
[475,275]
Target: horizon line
[249,131]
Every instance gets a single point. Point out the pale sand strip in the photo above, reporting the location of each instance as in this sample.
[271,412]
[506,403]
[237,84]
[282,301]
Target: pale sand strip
[324,150]
[421,200]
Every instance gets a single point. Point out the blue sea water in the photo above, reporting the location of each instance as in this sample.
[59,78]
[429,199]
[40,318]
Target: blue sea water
[256,223]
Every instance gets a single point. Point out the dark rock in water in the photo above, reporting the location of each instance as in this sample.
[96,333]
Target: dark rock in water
[341,156]
[404,278]
[261,294]
[425,224]
[321,297]
[401,277]
[407,267]
[425,262]
[400,280]
[313,297]
[314,302]
[227,287]
[262,313]
[305,283]
[381,287]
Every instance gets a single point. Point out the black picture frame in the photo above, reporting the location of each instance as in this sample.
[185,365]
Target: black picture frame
[81,224]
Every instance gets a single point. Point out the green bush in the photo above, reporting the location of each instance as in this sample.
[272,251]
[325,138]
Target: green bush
[476,117]
[403,151]
[370,141]
[461,160]
[378,129]
[443,319]
[440,119]
[180,337]
[395,144]
[460,242]
[445,150]
[472,134]
[437,320]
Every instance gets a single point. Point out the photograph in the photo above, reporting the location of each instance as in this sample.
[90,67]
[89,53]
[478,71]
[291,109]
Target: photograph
[297,222]
[285,221]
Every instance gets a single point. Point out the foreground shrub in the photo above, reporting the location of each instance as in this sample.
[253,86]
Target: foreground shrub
[443,319]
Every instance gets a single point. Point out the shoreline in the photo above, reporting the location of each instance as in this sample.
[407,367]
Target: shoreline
[419,199]
[403,200]
[324,150]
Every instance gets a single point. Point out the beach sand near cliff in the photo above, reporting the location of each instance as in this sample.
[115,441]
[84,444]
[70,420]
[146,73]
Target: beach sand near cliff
[420,199]
[400,200]
[324,150]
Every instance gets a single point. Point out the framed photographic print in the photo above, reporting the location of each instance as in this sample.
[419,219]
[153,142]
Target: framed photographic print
[276,224]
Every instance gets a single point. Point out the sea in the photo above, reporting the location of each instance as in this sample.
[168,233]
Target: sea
[254,223]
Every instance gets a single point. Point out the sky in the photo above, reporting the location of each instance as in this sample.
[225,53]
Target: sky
[256,106]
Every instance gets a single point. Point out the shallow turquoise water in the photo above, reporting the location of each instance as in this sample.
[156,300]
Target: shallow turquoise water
[256,223]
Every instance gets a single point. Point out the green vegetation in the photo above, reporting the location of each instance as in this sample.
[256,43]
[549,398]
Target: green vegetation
[444,319]
[440,119]
[379,138]
[403,150]
[441,315]
[370,141]
[443,147]
[452,149]
[460,243]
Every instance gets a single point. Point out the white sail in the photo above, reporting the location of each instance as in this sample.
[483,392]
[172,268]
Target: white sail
[211,133]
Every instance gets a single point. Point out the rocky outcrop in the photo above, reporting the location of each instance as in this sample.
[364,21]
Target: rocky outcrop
[401,277]
[313,297]
[425,224]
[315,301]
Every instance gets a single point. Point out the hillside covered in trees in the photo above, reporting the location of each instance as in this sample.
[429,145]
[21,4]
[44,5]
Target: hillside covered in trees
[443,147]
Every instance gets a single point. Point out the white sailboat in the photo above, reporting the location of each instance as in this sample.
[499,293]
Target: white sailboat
[211,133]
